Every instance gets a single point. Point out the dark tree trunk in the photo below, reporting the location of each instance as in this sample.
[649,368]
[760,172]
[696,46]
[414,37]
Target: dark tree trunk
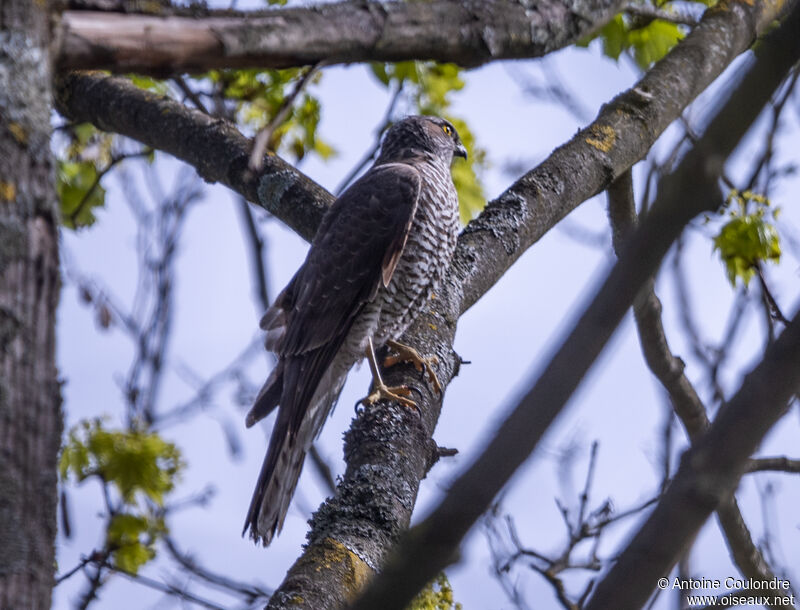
[30,413]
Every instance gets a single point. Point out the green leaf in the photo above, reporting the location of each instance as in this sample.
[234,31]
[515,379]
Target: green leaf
[259,96]
[80,193]
[745,241]
[134,462]
[615,37]
[131,540]
[149,84]
[649,42]
[653,41]
[77,174]
[436,82]
[471,196]
[380,72]
[74,455]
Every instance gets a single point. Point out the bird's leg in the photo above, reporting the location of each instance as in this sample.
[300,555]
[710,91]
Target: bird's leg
[379,389]
[406,353]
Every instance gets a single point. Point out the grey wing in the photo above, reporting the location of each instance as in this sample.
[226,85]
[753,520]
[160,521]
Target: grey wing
[355,250]
[362,237]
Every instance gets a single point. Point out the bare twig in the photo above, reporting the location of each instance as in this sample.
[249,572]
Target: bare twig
[264,135]
[669,370]
[649,12]
[762,166]
[772,305]
[774,464]
[246,591]
[372,151]
[150,583]
[257,249]
[189,93]
[115,160]
[584,526]
[550,88]
[68,574]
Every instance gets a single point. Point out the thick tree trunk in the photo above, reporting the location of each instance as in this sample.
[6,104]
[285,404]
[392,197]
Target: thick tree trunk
[30,414]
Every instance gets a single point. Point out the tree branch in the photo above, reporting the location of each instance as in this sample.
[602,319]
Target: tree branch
[774,464]
[467,33]
[432,545]
[647,11]
[668,369]
[212,145]
[705,482]
[708,474]
[389,450]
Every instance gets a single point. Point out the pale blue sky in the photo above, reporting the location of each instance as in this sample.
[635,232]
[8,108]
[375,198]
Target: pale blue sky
[506,336]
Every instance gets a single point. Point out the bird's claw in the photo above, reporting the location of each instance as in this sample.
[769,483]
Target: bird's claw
[406,353]
[396,393]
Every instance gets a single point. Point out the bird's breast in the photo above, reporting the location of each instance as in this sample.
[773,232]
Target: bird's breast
[426,255]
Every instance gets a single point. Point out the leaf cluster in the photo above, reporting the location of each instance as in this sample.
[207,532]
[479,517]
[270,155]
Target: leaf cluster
[131,539]
[748,239]
[258,96]
[647,39]
[133,461]
[78,185]
[648,43]
[141,467]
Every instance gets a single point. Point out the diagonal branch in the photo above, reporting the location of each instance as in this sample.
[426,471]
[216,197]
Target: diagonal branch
[213,146]
[263,137]
[433,544]
[467,33]
[708,474]
[669,370]
[388,451]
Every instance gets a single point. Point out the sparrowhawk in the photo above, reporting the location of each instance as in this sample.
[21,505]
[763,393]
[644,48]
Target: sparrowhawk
[381,249]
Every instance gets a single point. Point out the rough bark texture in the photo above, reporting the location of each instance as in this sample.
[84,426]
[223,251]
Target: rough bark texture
[30,417]
[621,135]
[624,131]
[388,449]
[469,33]
[213,146]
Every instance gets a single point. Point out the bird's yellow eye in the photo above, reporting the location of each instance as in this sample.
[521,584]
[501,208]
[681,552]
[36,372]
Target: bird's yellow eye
[447,129]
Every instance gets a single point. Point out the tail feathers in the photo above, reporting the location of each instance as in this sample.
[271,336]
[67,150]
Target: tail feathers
[276,484]
[287,450]
[268,397]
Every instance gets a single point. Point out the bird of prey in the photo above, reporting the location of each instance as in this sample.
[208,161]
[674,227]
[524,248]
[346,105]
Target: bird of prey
[381,249]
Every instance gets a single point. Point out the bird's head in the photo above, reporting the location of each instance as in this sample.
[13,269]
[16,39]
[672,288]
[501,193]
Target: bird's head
[422,135]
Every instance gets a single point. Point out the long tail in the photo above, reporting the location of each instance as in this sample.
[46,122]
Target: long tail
[268,397]
[276,483]
[287,451]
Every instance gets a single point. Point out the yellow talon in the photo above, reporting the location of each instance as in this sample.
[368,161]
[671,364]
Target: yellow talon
[396,393]
[380,391]
[406,353]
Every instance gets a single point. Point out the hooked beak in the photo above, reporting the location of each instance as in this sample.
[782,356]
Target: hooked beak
[460,151]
